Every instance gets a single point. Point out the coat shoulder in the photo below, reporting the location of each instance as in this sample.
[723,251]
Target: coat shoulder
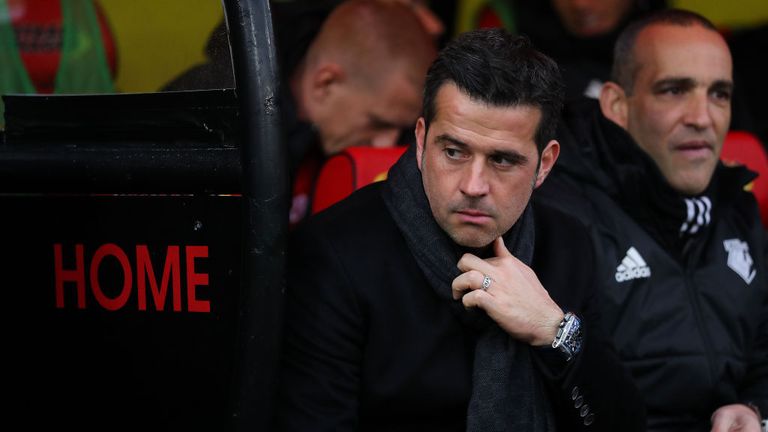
[360,220]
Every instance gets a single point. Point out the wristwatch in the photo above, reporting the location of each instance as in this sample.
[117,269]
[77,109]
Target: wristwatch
[568,338]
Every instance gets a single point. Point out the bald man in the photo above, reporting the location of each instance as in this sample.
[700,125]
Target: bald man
[360,81]
[355,81]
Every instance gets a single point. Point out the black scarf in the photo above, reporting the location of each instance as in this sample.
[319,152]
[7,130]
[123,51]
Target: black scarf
[506,392]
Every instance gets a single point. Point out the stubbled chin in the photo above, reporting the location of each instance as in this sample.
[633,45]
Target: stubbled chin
[471,237]
[693,184]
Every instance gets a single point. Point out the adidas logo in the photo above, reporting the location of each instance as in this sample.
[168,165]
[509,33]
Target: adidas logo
[633,266]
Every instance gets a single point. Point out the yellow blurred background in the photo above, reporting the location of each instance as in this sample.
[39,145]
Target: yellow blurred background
[732,14]
[158,40]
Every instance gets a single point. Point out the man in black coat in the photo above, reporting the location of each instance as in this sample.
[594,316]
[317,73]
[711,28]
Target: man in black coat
[419,303]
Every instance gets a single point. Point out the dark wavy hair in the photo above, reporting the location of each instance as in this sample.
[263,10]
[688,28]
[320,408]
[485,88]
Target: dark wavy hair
[500,69]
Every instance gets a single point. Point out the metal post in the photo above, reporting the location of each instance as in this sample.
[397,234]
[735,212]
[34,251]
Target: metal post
[265,201]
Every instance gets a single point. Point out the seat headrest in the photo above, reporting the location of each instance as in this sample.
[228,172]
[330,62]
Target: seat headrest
[742,147]
[353,168]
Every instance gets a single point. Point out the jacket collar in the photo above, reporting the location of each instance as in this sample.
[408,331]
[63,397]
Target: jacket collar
[599,152]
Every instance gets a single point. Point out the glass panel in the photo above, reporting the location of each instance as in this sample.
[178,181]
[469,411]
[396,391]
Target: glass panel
[112,46]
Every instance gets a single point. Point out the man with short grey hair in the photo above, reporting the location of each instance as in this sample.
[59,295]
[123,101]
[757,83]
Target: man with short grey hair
[684,288]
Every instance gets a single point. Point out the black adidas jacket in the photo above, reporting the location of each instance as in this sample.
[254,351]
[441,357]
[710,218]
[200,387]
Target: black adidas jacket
[688,313]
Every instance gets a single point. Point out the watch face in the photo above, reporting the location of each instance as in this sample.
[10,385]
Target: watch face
[568,339]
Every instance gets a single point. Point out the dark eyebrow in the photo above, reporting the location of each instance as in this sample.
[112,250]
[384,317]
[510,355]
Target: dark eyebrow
[686,83]
[689,83]
[513,157]
[455,141]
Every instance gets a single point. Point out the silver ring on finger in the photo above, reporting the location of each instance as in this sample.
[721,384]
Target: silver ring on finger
[486,282]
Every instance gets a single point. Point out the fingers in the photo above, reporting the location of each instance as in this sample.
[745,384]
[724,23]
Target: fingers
[471,262]
[469,288]
[468,281]
[477,298]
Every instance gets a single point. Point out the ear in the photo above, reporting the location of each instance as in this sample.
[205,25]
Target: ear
[421,138]
[613,103]
[323,79]
[548,159]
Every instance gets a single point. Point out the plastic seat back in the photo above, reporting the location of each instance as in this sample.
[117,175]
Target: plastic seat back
[350,170]
[744,148]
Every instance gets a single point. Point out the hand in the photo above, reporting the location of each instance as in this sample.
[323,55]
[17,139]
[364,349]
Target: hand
[736,417]
[515,299]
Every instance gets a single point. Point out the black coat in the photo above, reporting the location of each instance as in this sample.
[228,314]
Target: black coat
[370,346]
[687,314]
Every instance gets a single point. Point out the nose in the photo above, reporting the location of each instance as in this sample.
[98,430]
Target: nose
[474,182]
[697,114]
[385,138]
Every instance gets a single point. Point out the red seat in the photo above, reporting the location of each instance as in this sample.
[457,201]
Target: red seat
[350,170]
[744,148]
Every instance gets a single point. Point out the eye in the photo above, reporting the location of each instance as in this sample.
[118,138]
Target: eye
[507,160]
[501,161]
[453,153]
[672,90]
[722,95]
